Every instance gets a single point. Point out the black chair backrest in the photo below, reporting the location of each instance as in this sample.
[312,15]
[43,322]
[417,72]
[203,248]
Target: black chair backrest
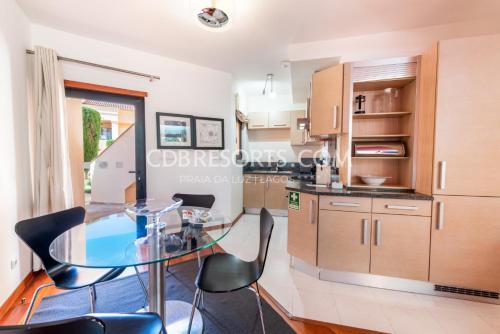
[202,201]
[82,325]
[38,233]
[266,230]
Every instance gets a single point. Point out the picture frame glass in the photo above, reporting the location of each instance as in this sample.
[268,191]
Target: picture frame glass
[174,131]
[209,133]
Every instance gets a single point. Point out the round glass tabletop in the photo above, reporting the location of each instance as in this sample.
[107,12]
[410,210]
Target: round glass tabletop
[126,238]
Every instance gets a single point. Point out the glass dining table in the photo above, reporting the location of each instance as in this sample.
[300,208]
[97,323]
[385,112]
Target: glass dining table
[148,232]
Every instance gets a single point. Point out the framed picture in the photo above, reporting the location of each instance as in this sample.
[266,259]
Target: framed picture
[174,131]
[209,133]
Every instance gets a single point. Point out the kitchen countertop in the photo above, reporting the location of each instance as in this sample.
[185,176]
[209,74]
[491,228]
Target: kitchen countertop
[302,186]
[269,172]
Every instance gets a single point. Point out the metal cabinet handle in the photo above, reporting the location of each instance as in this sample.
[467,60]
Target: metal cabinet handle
[354,205]
[311,211]
[335,111]
[442,175]
[257,125]
[267,185]
[378,232]
[304,139]
[440,218]
[364,238]
[279,124]
[402,207]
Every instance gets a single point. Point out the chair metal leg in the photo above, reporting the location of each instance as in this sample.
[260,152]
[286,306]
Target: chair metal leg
[202,300]
[199,259]
[168,267]
[143,286]
[195,303]
[259,303]
[37,291]
[212,248]
[93,298]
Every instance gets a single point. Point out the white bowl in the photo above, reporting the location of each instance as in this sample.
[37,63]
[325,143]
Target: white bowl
[373,180]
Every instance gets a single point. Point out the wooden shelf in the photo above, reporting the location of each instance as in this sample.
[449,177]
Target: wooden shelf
[384,186]
[380,136]
[382,84]
[381,115]
[380,158]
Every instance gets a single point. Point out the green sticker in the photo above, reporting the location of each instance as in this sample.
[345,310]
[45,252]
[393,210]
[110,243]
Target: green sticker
[294,200]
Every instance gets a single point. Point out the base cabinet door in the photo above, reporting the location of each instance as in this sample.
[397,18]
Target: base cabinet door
[465,243]
[400,246]
[303,229]
[276,193]
[253,191]
[344,241]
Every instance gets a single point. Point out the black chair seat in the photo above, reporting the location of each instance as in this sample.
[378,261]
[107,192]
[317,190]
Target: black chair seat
[99,323]
[224,272]
[70,277]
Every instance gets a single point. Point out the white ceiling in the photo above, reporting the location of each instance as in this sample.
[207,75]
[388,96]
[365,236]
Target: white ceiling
[261,29]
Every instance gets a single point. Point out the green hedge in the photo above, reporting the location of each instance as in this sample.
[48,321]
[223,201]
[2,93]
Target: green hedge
[91,133]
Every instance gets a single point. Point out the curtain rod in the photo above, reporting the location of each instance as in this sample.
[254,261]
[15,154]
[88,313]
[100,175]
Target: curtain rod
[116,69]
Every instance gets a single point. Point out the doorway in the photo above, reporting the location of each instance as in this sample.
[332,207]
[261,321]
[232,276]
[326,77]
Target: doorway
[107,147]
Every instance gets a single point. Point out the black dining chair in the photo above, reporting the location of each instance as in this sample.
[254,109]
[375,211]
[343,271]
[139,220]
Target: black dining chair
[222,272]
[112,323]
[38,233]
[202,201]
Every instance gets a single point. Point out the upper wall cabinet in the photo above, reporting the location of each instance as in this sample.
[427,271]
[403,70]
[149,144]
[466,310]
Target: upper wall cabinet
[467,153]
[279,119]
[269,120]
[326,101]
[258,120]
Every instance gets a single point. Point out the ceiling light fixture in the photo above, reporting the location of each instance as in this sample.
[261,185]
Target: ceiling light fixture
[213,14]
[270,79]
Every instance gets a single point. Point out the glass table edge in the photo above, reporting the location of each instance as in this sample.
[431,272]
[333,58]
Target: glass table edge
[206,246]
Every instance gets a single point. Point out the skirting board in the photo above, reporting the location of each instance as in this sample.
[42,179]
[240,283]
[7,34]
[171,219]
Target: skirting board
[274,212]
[382,282]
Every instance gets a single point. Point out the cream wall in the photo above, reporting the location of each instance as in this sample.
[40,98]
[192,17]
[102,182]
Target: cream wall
[390,44]
[15,176]
[184,88]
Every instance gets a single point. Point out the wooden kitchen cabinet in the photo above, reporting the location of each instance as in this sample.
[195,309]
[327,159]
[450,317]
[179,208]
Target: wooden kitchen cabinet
[297,137]
[303,229]
[400,246]
[254,187]
[344,241]
[279,119]
[258,120]
[466,242]
[467,136]
[276,193]
[326,101]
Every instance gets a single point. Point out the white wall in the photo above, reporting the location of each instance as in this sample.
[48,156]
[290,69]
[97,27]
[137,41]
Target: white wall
[184,88]
[110,175]
[390,44]
[273,142]
[15,179]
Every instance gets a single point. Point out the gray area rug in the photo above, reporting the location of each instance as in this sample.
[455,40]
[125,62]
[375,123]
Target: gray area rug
[235,312]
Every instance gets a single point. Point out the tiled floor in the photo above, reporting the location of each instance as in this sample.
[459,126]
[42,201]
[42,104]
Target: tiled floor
[363,307]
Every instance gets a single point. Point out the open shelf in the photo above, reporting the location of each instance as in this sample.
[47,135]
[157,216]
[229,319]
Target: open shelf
[380,158]
[383,186]
[382,84]
[400,135]
[381,115]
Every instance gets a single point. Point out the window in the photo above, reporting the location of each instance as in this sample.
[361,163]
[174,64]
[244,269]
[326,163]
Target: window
[106,133]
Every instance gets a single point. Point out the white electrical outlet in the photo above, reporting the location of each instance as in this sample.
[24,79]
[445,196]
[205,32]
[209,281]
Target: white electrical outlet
[13,264]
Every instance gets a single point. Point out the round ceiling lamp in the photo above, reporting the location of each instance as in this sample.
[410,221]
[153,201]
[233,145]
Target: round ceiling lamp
[213,14]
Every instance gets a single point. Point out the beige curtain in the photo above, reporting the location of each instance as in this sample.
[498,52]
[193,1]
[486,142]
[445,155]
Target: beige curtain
[52,189]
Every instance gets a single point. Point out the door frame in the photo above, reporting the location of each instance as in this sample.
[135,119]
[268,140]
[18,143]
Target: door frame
[137,100]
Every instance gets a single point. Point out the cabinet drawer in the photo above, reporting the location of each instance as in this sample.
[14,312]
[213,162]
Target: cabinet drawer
[402,207]
[342,203]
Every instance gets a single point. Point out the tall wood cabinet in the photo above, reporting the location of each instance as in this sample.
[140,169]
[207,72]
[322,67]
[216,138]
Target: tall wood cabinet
[326,101]
[467,146]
